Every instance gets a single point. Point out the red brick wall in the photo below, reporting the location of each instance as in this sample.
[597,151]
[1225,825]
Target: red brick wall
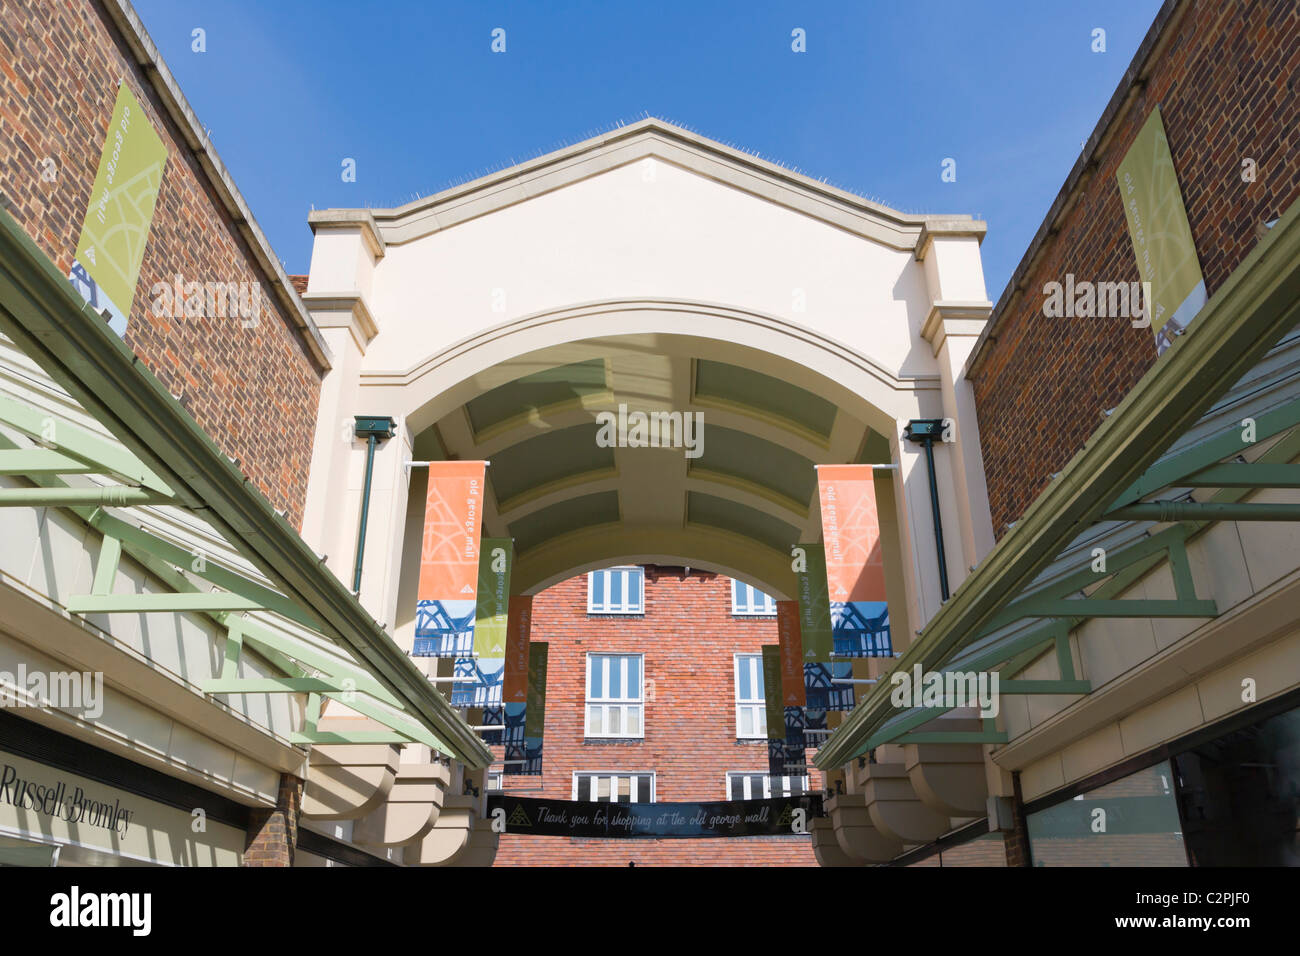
[60,65]
[688,637]
[985,851]
[1226,84]
[272,837]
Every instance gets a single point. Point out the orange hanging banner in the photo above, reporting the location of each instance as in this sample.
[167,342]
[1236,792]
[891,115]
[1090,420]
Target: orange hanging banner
[518,634]
[855,567]
[855,564]
[449,559]
[453,516]
[791,642]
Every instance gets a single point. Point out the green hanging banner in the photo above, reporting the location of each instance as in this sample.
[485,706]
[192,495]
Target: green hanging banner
[484,670]
[814,605]
[535,714]
[1161,236]
[772,700]
[493,608]
[122,200]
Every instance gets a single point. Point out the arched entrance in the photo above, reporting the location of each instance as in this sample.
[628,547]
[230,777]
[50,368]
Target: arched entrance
[761,323]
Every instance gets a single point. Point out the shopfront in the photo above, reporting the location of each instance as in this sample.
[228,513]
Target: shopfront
[1228,795]
[66,803]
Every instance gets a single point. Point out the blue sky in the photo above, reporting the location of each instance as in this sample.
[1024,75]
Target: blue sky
[884,93]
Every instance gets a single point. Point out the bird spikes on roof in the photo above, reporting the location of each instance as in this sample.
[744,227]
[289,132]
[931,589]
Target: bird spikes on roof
[565,142]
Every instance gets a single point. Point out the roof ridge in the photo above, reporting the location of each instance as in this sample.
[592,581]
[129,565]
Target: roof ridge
[647,119]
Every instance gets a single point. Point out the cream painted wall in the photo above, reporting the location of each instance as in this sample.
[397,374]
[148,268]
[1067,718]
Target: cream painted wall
[154,709]
[772,269]
[154,833]
[648,230]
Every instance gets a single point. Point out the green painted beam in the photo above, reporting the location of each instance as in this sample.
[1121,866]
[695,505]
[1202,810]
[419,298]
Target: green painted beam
[1245,475]
[1044,687]
[1134,554]
[1244,318]
[953,737]
[1046,630]
[67,437]
[403,725]
[47,320]
[311,714]
[273,685]
[280,648]
[270,643]
[110,556]
[233,649]
[1134,607]
[351,737]
[908,720]
[208,569]
[156,603]
[42,461]
[1172,470]
[112,496]
[1204,511]
[1064,659]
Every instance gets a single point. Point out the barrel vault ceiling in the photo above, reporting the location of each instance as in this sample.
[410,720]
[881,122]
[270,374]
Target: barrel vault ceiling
[571,504]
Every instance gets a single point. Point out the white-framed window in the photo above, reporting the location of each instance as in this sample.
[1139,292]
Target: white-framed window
[614,695]
[614,786]
[494,781]
[750,601]
[616,591]
[751,711]
[757,785]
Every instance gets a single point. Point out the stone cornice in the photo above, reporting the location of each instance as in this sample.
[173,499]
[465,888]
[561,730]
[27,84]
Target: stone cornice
[671,144]
[948,227]
[351,219]
[339,310]
[955,318]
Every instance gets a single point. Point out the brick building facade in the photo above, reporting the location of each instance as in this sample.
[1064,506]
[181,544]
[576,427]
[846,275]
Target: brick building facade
[1224,76]
[689,637]
[226,371]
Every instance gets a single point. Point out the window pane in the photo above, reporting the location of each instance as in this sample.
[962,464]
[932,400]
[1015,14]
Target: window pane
[593,719]
[744,686]
[624,789]
[615,589]
[597,580]
[1144,827]
[634,721]
[615,720]
[746,722]
[584,788]
[634,590]
[602,788]
[645,788]
[1241,795]
[762,721]
[615,665]
[597,681]
[633,678]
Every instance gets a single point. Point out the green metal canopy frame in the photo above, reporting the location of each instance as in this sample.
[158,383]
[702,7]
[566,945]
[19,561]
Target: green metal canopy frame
[1119,465]
[167,458]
